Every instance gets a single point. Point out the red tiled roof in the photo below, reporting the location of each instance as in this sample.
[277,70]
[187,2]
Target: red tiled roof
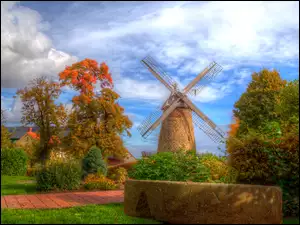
[37,136]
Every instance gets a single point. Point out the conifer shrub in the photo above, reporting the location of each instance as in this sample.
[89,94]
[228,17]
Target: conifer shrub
[93,162]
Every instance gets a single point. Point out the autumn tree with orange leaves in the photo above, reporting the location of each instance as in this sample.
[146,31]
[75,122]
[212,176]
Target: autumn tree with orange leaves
[96,119]
[39,109]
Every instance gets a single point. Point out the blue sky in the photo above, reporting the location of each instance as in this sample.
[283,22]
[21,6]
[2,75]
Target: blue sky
[40,38]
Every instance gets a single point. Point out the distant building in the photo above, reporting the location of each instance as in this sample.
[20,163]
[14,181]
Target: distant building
[23,136]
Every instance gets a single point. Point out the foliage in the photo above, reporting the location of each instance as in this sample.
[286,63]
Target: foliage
[13,162]
[95,119]
[219,170]
[98,181]
[59,176]
[82,75]
[31,149]
[33,170]
[178,166]
[257,105]
[93,162]
[3,117]
[118,174]
[264,145]
[5,138]
[287,106]
[39,108]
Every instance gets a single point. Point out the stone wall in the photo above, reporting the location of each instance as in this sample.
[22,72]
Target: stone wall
[196,203]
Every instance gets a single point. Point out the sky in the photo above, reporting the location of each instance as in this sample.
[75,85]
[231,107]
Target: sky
[41,38]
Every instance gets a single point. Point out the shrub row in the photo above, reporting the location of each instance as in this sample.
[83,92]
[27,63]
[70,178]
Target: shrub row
[13,162]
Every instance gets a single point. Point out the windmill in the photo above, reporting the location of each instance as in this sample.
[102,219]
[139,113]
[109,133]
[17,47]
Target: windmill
[178,113]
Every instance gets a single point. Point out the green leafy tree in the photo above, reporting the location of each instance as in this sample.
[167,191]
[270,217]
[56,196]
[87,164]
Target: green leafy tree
[287,107]
[39,108]
[257,105]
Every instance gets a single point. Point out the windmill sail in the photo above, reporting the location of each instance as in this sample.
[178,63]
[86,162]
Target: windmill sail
[207,74]
[203,117]
[156,68]
[208,77]
[146,124]
[148,127]
[209,131]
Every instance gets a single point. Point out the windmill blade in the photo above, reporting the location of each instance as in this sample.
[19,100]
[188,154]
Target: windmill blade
[156,70]
[147,126]
[203,117]
[142,128]
[211,133]
[208,77]
[208,74]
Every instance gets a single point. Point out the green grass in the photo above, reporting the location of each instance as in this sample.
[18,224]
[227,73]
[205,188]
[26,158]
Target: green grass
[90,214]
[291,221]
[13,185]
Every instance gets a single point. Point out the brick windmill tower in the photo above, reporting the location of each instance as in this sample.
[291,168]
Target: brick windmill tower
[178,114]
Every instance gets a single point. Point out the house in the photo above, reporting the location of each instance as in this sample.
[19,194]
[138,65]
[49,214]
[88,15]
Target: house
[26,135]
[19,132]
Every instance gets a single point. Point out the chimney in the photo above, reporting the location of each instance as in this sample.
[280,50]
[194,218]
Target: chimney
[30,129]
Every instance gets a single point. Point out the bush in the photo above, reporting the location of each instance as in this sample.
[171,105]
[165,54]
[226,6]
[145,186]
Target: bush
[269,158]
[119,174]
[33,171]
[219,170]
[98,181]
[59,175]
[13,162]
[177,166]
[93,162]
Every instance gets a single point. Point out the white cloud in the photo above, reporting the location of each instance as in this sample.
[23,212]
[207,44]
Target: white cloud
[228,32]
[26,52]
[149,90]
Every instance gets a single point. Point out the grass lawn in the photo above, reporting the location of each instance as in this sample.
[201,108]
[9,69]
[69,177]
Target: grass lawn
[90,214]
[13,185]
[291,221]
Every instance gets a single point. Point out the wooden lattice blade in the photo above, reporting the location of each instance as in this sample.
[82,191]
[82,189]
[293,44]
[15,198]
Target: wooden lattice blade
[198,78]
[209,76]
[165,114]
[211,133]
[156,70]
[202,116]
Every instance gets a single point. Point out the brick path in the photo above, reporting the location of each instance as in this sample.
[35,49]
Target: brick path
[61,200]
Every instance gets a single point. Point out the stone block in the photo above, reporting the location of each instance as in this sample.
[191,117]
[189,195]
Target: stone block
[206,203]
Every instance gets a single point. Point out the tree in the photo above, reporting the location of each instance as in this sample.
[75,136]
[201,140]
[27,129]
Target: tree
[95,120]
[287,106]
[3,118]
[257,105]
[39,108]
[5,134]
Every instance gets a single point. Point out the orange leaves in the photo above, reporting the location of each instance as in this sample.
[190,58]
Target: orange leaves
[234,127]
[82,75]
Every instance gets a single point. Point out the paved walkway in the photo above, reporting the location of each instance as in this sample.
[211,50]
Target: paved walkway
[61,200]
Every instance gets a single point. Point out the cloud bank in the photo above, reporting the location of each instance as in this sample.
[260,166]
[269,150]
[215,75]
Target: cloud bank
[26,52]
